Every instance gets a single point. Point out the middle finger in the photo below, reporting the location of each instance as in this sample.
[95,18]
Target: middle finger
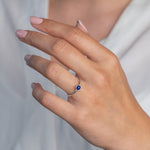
[60,49]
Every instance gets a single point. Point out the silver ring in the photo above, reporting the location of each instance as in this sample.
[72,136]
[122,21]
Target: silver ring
[78,87]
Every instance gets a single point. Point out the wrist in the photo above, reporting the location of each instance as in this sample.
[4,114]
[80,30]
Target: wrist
[138,137]
[136,134]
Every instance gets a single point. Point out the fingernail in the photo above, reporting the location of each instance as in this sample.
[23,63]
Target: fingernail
[21,33]
[27,57]
[33,85]
[36,20]
[81,26]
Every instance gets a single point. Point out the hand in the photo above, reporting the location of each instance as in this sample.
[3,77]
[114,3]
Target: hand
[104,111]
[79,25]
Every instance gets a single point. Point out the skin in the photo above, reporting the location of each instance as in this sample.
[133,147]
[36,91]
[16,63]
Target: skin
[104,86]
[99,16]
[104,111]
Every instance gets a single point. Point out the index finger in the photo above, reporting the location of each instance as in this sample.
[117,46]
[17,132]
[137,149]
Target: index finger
[82,41]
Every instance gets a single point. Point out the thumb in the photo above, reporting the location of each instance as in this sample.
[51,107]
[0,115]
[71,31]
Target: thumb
[81,26]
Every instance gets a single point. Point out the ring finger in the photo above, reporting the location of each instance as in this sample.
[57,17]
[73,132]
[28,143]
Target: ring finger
[54,72]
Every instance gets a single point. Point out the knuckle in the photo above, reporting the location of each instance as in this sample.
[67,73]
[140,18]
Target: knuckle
[34,93]
[31,61]
[100,78]
[73,33]
[48,24]
[52,70]
[34,61]
[31,37]
[113,61]
[45,99]
[103,78]
[59,45]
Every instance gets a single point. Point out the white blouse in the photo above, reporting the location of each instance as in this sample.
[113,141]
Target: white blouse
[24,123]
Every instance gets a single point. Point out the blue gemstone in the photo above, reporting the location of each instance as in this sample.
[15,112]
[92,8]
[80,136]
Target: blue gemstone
[78,87]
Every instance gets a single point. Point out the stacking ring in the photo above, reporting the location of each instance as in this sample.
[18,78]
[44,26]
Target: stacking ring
[78,87]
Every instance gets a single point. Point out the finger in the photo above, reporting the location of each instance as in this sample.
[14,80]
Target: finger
[53,59]
[60,49]
[82,41]
[54,72]
[57,105]
[79,25]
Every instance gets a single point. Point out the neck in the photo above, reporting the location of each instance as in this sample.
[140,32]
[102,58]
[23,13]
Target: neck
[99,16]
[96,6]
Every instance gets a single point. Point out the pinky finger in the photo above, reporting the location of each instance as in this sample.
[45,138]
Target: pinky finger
[57,105]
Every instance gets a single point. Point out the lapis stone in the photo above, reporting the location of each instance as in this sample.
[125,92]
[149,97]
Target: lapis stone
[78,87]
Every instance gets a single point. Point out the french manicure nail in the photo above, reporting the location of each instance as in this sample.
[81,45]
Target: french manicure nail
[27,57]
[81,26]
[21,33]
[36,20]
[33,85]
